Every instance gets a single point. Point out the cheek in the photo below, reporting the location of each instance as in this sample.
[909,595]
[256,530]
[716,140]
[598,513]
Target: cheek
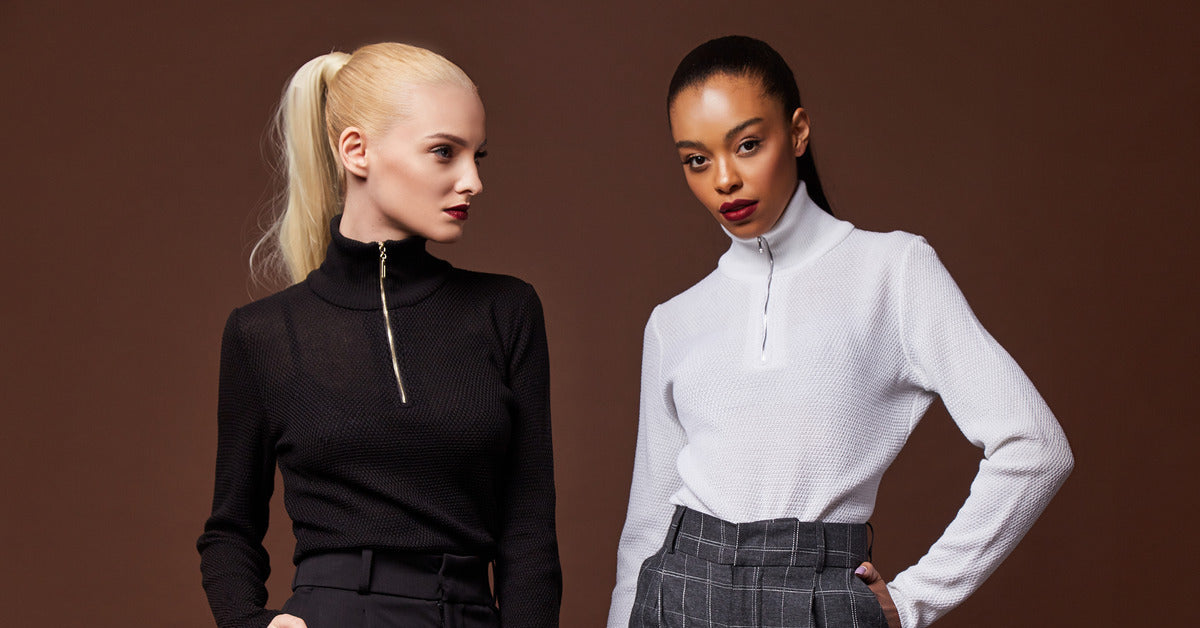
[760,174]
[395,169]
[403,179]
[783,171]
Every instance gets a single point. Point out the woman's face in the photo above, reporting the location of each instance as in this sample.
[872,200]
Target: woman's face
[738,151]
[418,176]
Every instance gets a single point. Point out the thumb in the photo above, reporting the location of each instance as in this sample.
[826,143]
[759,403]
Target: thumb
[866,572]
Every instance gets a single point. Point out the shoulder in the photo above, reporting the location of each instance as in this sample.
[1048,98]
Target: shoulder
[883,257]
[263,317]
[490,282]
[696,295]
[887,247]
[492,287]
[273,304]
[509,302]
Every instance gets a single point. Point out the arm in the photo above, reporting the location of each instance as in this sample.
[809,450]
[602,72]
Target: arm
[1025,454]
[233,561]
[655,478]
[528,575]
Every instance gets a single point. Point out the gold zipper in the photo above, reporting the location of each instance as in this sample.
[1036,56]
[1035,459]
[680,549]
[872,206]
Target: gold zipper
[387,321]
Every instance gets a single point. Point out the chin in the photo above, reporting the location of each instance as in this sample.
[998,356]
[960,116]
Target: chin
[445,237]
[747,230]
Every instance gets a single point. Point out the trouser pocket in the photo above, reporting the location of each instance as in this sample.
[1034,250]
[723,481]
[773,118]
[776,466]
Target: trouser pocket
[863,605]
[647,602]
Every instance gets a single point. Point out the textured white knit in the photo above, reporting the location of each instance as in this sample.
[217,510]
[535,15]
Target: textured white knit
[863,331]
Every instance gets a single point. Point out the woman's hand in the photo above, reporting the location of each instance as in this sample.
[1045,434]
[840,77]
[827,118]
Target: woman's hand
[866,572]
[283,620]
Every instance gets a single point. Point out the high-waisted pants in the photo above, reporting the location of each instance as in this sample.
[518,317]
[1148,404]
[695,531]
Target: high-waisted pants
[778,573]
[368,589]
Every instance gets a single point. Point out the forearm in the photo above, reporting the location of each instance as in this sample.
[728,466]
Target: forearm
[234,575]
[660,438]
[1010,491]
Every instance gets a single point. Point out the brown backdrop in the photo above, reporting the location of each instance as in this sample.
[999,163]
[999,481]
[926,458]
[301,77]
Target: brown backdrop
[1047,152]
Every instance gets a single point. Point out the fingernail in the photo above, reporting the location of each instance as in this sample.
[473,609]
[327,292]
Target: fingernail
[861,571]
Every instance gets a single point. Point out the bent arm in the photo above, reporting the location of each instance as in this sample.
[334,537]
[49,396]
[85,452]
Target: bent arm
[1025,453]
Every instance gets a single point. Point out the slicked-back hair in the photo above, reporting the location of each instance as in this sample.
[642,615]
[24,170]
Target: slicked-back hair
[737,55]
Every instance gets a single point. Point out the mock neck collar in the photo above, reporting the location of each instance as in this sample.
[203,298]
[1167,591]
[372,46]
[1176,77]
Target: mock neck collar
[349,276]
[803,233]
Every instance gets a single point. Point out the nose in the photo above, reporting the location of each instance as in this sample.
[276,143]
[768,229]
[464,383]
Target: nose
[728,179]
[469,183]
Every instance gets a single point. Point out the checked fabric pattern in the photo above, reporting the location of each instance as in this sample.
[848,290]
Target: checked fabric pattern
[779,573]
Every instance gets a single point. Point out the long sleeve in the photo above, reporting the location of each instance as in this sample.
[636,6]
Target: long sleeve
[655,477]
[1025,453]
[528,574]
[233,561]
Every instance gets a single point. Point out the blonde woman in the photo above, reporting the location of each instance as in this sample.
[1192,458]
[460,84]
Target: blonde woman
[404,401]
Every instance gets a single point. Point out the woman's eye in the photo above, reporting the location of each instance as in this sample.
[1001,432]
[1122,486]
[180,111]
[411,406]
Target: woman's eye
[695,161]
[748,146]
[443,152]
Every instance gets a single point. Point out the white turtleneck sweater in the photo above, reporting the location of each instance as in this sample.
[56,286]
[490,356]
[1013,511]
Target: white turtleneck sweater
[788,391]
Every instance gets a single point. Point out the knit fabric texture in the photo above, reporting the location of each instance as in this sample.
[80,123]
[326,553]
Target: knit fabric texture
[794,406]
[463,467]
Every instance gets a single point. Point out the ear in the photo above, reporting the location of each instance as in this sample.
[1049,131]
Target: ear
[800,131]
[352,150]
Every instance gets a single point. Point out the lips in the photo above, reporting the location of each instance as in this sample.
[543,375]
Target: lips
[458,212]
[739,210]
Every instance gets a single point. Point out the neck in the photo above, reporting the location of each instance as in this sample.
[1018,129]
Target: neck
[350,275]
[362,220]
[803,233]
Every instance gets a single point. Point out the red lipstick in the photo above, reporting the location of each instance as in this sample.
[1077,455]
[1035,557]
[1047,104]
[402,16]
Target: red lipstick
[739,210]
[458,212]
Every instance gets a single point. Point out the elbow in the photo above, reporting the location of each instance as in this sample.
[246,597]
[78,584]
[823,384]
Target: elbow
[1065,462]
[1044,460]
[1057,460]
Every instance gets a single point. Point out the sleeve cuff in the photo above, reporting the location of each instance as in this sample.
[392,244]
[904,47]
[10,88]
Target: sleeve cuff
[908,618]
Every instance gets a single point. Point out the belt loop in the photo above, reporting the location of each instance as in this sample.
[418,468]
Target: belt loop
[820,566]
[870,541]
[796,525]
[673,531]
[447,611]
[442,576]
[364,572]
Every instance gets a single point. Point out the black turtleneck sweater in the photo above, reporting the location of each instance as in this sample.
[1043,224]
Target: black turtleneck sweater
[463,467]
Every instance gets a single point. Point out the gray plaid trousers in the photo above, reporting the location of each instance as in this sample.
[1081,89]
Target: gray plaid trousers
[779,573]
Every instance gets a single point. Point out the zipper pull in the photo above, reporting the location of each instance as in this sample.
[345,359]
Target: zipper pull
[387,323]
[765,246]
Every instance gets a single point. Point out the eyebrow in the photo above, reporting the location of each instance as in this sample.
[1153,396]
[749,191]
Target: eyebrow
[729,135]
[450,137]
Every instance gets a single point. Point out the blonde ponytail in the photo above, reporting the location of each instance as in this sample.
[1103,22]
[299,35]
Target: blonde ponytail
[312,193]
[326,95]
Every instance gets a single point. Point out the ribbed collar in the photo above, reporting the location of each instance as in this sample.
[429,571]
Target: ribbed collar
[803,233]
[349,276]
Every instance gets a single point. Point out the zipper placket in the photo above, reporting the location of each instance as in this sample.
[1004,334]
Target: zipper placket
[763,244]
[387,321]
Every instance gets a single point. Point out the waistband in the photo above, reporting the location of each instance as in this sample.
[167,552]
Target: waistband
[445,577]
[772,542]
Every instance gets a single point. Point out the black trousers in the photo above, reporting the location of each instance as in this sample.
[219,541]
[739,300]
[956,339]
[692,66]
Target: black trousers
[368,589]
